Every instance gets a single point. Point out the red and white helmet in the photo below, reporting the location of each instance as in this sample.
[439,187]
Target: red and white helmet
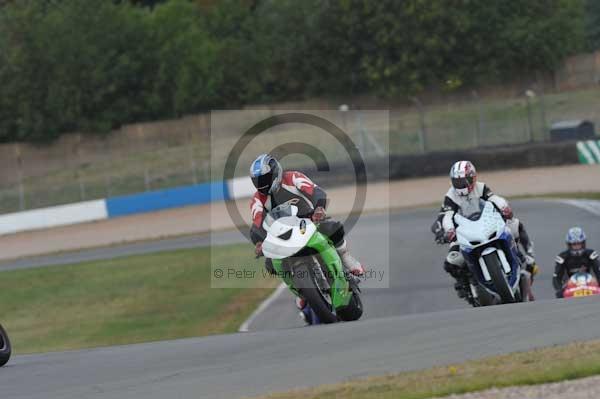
[463,176]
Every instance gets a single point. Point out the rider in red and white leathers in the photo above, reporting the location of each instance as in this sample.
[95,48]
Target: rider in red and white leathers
[274,187]
[463,197]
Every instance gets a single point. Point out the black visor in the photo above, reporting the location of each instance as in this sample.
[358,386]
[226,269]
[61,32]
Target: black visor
[263,183]
[462,182]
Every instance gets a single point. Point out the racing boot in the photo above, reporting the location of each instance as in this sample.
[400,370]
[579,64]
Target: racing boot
[348,261]
[306,313]
[460,290]
[531,266]
[454,265]
[457,274]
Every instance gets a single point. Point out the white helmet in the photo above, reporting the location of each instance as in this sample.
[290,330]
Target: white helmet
[463,176]
[576,241]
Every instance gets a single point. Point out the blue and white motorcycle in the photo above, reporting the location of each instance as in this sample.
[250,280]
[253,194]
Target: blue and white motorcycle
[492,256]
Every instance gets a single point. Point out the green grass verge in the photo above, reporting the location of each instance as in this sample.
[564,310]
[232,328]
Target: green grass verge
[126,300]
[577,360]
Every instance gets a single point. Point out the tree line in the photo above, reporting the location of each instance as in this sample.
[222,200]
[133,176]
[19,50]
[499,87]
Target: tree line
[76,65]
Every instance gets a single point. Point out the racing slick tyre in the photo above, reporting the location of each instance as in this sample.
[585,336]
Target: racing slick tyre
[313,287]
[5,347]
[496,271]
[354,310]
[484,298]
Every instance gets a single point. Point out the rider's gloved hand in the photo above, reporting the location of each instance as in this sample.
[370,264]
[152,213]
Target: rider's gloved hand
[440,238]
[453,270]
[531,267]
[318,214]
[270,268]
[507,213]
[450,235]
[258,249]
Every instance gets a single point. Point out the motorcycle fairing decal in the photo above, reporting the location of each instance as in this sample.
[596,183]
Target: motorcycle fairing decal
[340,294]
[515,264]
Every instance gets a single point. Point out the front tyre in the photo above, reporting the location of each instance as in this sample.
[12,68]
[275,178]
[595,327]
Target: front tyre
[5,347]
[312,289]
[484,297]
[499,280]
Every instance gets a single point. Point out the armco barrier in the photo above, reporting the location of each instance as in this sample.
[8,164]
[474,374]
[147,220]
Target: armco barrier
[120,206]
[589,151]
[439,162]
[52,217]
[165,199]
[396,167]
[240,187]
[491,158]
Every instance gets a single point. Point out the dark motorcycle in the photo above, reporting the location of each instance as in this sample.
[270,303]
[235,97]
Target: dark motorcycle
[5,348]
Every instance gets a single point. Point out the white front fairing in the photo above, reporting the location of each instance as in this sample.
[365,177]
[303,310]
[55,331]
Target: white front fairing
[581,279]
[278,248]
[473,233]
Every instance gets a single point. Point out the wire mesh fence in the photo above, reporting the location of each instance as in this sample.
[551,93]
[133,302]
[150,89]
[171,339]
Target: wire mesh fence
[154,156]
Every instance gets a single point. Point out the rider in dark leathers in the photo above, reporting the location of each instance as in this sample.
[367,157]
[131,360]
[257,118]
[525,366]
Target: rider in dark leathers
[574,259]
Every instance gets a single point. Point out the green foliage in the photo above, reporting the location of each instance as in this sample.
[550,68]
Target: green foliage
[592,24]
[71,67]
[67,66]
[188,74]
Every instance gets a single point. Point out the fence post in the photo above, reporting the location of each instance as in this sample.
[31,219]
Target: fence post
[479,131]
[193,164]
[423,131]
[77,167]
[142,134]
[529,94]
[19,160]
[540,87]
[107,176]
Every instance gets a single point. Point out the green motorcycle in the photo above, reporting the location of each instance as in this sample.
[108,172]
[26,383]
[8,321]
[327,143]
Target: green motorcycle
[308,263]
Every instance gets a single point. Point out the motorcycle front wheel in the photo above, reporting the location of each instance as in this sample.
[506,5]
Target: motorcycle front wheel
[484,298]
[499,278]
[5,347]
[306,281]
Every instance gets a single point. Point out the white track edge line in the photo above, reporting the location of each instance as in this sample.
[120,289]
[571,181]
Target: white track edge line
[588,205]
[264,304]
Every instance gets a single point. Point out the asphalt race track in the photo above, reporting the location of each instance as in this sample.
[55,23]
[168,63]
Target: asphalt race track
[417,322]
[418,282]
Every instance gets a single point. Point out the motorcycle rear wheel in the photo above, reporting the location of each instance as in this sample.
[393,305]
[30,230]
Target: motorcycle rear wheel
[354,310]
[5,347]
